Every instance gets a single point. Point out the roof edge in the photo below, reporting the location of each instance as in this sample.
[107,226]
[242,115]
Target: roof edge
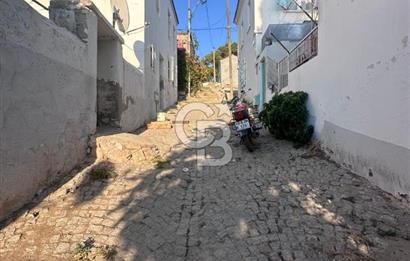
[175,11]
[237,10]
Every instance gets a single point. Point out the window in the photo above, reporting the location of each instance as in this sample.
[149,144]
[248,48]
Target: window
[174,36]
[169,25]
[158,6]
[171,69]
[152,57]
[242,75]
[283,73]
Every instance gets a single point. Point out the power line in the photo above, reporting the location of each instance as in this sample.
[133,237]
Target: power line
[209,25]
[209,28]
[219,20]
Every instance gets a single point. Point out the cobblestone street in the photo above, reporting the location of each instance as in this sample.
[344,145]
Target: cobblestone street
[278,203]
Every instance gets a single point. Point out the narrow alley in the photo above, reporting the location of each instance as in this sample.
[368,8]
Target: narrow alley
[204,130]
[278,203]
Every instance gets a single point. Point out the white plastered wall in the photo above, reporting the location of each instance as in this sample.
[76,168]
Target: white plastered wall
[359,88]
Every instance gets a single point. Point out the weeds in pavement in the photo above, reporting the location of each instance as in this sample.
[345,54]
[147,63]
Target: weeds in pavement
[161,163]
[102,174]
[108,252]
[87,251]
[83,250]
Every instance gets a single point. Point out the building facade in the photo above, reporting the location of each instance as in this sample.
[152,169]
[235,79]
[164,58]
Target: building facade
[224,72]
[97,63]
[161,52]
[137,54]
[355,68]
[253,17]
[185,43]
[360,94]
[246,19]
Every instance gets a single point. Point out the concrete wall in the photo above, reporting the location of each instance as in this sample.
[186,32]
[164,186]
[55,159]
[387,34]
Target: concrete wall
[135,98]
[359,87]
[225,71]
[48,101]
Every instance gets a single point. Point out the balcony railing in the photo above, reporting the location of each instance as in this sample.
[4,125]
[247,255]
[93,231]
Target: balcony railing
[304,51]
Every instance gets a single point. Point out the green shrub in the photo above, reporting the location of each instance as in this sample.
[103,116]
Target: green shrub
[286,117]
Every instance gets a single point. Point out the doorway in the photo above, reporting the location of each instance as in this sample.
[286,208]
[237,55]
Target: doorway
[110,74]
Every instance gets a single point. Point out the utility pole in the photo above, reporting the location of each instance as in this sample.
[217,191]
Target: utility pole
[228,17]
[213,54]
[189,46]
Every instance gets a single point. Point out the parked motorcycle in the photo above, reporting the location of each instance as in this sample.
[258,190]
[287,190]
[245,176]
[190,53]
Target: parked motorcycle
[245,121]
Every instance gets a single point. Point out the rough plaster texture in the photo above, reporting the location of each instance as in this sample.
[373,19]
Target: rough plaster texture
[135,104]
[225,71]
[110,81]
[363,88]
[383,163]
[48,100]
[108,103]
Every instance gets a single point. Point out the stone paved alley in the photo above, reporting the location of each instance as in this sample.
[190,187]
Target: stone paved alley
[278,203]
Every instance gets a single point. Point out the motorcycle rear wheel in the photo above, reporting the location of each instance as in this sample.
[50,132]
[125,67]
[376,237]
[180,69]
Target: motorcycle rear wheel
[248,142]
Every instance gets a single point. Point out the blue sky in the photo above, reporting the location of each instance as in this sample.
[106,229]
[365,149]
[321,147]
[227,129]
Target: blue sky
[217,19]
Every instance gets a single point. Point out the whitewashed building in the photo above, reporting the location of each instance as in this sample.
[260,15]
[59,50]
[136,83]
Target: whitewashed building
[253,17]
[355,67]
[359,87]
[77,69]
[161,52]
[137,54]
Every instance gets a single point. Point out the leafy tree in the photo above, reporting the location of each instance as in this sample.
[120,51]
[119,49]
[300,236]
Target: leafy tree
[220,53]
[199,73]
[182,71]
[191,64]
